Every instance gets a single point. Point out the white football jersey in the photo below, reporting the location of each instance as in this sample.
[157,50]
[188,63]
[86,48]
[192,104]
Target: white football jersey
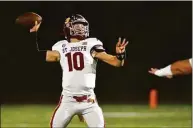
[79,67]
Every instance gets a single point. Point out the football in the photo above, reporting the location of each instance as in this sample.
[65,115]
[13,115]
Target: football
[28,19]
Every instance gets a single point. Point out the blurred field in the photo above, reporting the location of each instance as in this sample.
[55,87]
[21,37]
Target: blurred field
[132,116]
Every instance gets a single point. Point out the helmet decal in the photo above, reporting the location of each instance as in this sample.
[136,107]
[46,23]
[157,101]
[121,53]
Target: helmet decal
[67,20]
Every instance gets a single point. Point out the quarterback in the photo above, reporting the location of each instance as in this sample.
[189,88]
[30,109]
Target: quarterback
[78,56]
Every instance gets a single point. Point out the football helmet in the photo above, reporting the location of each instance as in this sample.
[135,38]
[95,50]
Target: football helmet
[76,26]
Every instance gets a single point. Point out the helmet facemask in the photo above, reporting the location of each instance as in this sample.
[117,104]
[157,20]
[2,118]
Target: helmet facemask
[79,29]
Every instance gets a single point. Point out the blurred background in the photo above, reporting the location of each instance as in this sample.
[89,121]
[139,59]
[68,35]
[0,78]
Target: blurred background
[159,34]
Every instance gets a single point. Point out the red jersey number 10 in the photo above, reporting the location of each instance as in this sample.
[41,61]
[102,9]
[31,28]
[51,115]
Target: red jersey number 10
[75,61]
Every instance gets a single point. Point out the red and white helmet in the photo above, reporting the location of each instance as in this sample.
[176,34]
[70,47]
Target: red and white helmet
[76,26]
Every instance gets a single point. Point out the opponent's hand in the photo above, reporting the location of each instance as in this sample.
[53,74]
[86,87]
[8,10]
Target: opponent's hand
[120,46]
[153,70]
[35,27]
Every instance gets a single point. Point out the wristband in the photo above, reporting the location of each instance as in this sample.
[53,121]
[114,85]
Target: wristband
[121,56]
[164,72]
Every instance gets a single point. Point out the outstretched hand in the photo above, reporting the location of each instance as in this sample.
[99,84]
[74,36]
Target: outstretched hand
[153,70]
[120,46]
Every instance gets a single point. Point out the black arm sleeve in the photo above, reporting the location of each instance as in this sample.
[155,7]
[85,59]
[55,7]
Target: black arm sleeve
[97,48]
[41,54]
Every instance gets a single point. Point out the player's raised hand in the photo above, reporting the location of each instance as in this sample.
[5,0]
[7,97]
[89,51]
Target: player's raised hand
[120,46]
[153,71]
[35,27]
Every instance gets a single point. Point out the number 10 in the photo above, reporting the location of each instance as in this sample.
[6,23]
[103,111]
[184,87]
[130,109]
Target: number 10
[72,61]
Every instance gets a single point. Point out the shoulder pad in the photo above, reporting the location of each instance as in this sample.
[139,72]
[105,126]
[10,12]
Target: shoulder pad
[94,41]
[59,43]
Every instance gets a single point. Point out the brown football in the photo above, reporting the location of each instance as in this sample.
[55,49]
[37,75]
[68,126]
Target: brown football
[28,19]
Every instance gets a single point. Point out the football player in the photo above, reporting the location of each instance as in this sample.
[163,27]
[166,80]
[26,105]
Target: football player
[78,56]
[181,67]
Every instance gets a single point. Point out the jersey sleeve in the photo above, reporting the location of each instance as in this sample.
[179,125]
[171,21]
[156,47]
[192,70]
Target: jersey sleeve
[97,46]
[190,60]
[58,47]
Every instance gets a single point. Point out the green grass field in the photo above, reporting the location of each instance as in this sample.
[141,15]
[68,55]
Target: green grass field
[132,116]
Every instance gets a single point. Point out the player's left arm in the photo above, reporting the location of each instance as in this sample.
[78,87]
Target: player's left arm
[114,60]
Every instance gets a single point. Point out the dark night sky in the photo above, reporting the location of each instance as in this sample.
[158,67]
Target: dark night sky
[159,34]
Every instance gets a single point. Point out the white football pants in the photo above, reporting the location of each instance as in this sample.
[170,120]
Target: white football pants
[68,107]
